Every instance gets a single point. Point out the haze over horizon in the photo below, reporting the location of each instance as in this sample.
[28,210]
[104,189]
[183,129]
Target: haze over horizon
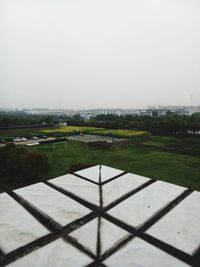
[99,54]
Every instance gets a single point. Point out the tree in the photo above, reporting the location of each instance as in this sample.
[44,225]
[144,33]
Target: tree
[18,162]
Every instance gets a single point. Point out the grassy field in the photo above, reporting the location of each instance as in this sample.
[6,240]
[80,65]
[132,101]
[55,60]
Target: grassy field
[172,159]
[175,168]
[162,141]
[68,130]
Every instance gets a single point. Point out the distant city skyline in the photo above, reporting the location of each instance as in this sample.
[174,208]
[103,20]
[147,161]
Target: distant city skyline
[99,54]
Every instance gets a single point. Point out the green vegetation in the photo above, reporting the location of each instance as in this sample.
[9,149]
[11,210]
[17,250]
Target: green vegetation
[170,124]
[172,156]
[19,162]
[162,141]
[69,130]
[20,118]
[8,134]
[119,133]
[175,168]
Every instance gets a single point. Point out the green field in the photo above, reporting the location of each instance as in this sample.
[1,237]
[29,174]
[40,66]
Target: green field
[68,130]
[175,168]
[173,159]
[162,141]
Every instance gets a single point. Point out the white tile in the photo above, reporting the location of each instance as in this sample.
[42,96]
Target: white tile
[56,254]
[87,235]
[91,173]
[79,187]
[56,205]
[110,235]
[138,253]
[181,226]
[108,172]
[121,186]
[17,226]
[143,205]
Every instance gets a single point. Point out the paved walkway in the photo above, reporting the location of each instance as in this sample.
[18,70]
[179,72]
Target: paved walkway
[102,217]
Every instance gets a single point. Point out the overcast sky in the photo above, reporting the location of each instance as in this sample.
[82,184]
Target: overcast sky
[99,53]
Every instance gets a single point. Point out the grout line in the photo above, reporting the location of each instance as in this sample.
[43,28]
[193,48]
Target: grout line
[74,197]
[119,223]
[196,258]
[113,178]
[48,222]
[26,249]
[164,211]
[80,247]
[111,251]
[179,254]
[99,239]
[129,194]
[159,244]
[2,255]
[79,222]
[84,178]
[96,264]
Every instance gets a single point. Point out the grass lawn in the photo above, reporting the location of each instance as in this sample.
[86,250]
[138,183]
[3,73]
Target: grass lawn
[162,141]
[175,168]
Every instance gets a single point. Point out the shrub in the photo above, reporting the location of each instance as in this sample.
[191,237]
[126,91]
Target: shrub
[18,162]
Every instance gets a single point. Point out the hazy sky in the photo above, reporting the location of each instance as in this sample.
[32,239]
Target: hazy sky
[99,53]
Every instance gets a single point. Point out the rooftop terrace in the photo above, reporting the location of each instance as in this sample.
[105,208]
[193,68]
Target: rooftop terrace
[100,216]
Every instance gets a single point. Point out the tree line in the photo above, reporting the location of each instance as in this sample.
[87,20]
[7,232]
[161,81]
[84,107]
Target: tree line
[20,118]
[170,124]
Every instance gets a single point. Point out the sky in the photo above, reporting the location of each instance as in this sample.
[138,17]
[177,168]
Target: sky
[82,54]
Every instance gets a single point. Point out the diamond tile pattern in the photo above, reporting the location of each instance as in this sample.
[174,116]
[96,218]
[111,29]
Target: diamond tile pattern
[93,173]
[79,187]
[136,210]
[110,235]
[17,226]
[140,253]
[57,206]
[184,234]
[52,255]
[100,216]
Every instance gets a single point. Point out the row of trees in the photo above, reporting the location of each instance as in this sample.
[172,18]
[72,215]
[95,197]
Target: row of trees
[13,119]
[171,124]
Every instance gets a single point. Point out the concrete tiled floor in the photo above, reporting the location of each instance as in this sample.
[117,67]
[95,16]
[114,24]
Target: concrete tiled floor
[100,216]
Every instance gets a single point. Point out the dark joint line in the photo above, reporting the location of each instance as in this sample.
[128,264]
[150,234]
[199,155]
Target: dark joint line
[164,211]
[181,255]
[124,197]
[79,222]
[74,197]
[84,178]
[48,222]
[113,178]
[112,250]
[80,247]
[196,258]
[24,250]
